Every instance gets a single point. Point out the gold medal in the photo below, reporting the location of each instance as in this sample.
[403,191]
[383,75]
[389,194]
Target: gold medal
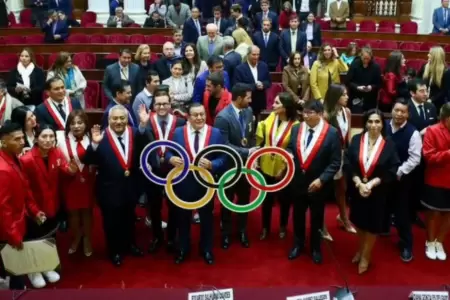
[244,142]
[365,180]
[127,173]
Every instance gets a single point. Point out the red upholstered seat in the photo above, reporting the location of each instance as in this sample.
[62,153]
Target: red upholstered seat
[386,24]
[408,27]
[91,94]
[78,38]
[415,64]
[343,43]
[154,57]
[93,25]
[34,39]
[386,30]
[2,41]
[88,17]
[117,38]
[104,101]
[272,92]
[8,62]
[351,26]
[367,26]
[388,45]
[51,59]
[98,39]
[447,48]
[85,60]
[14,39]
[331,41]
[155,39]
[426,46]
[369,43]
[112,56]
[324,25]
[25,16]
[12,18]
[410,46]
[22,25]
[40,60]
[137,39]
[381,61]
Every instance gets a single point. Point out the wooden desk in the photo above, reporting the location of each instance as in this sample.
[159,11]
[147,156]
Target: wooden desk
[438,39]
[91,31]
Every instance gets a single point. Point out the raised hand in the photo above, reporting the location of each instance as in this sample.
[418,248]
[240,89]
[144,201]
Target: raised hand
[144,116]
[96,134]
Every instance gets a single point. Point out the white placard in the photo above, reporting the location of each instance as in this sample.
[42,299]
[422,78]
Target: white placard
[225,294]
[313,296]
[428,295]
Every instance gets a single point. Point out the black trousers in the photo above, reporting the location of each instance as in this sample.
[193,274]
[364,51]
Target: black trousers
[119,227]
[417,190]
[316,204]
[242,191]
[155,198]
[285,204]
[398,205]
[184,217]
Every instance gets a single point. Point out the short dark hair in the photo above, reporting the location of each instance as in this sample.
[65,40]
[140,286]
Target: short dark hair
[48,83]
[236,8]
[214,59]
[378,112]
[402,101]
[314,105]
[289,104]
[125,50]
[445,111]
[216,79]
[176,2]
[19,115]
[82,115]
[240,90]
[414,84]
[43,127]
[217,8]
[150,74]
[120,88]
[194,105]
[9,127]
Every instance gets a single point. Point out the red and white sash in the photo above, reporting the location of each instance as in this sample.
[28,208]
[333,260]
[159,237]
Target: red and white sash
[203,142]
[69,148]
[343,126]
[4,104]
[54,112]
[124,157]
[307,154]
[368,163]
[277,136]
[170,129]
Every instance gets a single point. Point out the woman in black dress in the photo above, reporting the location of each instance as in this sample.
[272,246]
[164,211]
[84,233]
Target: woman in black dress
[374,162]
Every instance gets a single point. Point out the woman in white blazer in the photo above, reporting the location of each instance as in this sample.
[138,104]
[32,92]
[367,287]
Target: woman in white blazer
[180,88]
[74,81]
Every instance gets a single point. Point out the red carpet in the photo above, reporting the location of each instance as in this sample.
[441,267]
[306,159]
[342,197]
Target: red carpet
[264,264]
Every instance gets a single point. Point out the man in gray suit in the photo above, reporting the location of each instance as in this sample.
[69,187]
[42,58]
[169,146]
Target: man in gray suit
[211,44]
[125,70]
[120,19]
[177,14]
[236,125]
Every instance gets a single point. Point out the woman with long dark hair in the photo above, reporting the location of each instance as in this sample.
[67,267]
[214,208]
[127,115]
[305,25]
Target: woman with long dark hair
[374,162]
[339,116]
[25,117]
[275,131]
[394,85]
[193,66]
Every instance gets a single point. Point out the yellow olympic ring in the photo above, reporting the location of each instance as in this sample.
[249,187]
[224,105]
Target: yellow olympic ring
[189,205]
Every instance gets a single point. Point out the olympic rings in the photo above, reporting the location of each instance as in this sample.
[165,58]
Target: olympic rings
[183,204]
[148,171]
[236,207]
[223,149]
[287,178]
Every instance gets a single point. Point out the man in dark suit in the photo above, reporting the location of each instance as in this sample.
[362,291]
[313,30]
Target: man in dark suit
[268,41]
[309,57]
[61,5]
[422,114]
[56,108]
[162,125]
[256,74]
[215,64]
[236,125]
[155,21]
[55,30]
[303,7]
[266,14]
[292,37]
[122,96]
[220,22]
[441,19]
[237,13]
[316,148]
[194,137]
[192,28]
[316,40]
[231,59]
[115,152]
[164,63]
[123,70]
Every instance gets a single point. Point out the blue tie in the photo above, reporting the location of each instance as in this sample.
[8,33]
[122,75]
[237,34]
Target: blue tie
[310,136]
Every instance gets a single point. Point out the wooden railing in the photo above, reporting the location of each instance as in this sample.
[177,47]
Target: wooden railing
[395,10]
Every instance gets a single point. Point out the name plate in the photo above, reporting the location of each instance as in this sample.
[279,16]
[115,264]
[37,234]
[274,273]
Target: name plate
[225,294]
[428,295]
[313,296]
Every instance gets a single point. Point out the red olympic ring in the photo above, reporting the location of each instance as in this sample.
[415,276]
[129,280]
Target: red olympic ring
[272,187]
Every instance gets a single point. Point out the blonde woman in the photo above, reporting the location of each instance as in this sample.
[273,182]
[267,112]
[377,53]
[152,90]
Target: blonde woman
[436,76]
[325,71]
[243,40]
[74,81]
[142,59]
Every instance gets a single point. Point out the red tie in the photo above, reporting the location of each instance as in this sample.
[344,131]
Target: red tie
[80,150]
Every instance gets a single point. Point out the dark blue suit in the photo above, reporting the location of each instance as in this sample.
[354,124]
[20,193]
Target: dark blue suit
[132,121]
[431,116]
[271,15]
[231,60]
[312,58]
[324,165]
[317,33]
[224,24]
[112,7]
[200,84]
[190,190]
[190,31]
[43,116]
[62,5]
[51,30]
[243,74]
[439,19]
[285,43]
[112,77]
[270,53]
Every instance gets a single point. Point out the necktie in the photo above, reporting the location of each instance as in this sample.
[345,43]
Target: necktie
[198,27]
[293,32]
[61,111]
[121,143]
[421,112]
[163,127]
[310,136]
[54,28]
[266,38]
[241,120]
[197,141]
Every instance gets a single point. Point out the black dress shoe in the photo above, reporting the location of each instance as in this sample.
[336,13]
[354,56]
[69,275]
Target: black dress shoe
[406,255]
[135,251]
[244,240]
[316,257]
[181,257]
[116,260]
[208,257]
[264,234]
[225,242]
[154,245]
[196,219]
[295,252]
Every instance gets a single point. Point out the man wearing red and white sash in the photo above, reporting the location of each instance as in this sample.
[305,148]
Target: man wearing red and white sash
[162,125]
[57,107]
[194,137]
[7,103]
[316,148]
[116,152]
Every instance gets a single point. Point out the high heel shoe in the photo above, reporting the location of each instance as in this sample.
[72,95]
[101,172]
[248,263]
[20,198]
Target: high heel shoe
[327,236]
[357,258]
[363,266]
[87,248]
[345,225]
[75,246]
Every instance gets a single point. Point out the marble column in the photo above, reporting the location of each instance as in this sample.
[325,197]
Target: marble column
[101,8]
[15,6]
[422,14]
[135,9]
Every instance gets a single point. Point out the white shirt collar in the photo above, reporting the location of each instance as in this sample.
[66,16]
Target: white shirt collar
[416,104]
[124,135]
[318,126]
[236,110]
[192,130]
[147,93]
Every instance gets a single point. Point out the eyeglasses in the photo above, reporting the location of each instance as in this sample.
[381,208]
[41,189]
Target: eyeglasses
[162,104]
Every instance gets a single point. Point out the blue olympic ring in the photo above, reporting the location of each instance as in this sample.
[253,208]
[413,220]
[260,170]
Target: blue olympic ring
[147,170]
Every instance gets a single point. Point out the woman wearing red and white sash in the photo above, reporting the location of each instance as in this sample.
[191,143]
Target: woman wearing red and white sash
[339,116]
[7,103]
[374,162]
[275,131]
[78,190]
[44,165]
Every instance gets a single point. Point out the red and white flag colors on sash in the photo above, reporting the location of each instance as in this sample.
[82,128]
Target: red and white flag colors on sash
[277,136]
[170,129]
[125,158]
[203,142]
[3,104]
[307,154]
[54,112]
[368,163]
[71,149]
[343,121]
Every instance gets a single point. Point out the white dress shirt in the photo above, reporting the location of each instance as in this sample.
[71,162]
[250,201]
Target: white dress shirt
[293,40]
[254,71]
[414,152]
[201,137]
[124,73]
[304,6]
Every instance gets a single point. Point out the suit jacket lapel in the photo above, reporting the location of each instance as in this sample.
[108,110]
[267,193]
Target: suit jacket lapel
[234,119]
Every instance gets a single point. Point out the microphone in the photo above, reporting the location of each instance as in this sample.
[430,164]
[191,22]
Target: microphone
[342,293]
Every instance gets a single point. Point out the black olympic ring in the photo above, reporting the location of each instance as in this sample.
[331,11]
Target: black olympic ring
[223,149]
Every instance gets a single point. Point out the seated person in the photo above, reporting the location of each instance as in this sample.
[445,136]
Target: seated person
[55,30]
[120,19]
[339,12]
[69,21]
[155,21]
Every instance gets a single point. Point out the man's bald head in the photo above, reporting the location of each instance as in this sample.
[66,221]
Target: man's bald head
[253,55]
[168,49]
